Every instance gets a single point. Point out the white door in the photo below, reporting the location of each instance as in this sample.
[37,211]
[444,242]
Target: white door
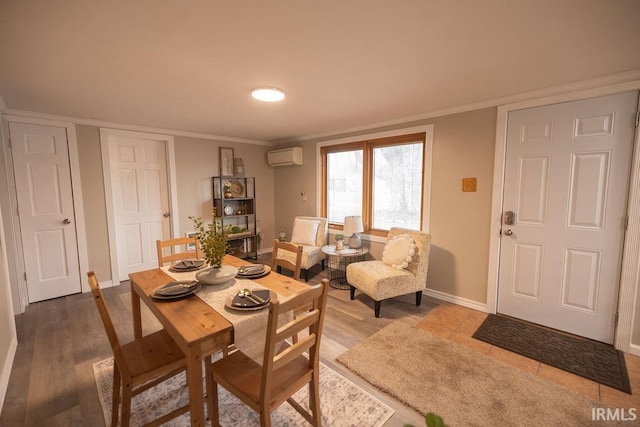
[45,205]
[140,201]
[566,181]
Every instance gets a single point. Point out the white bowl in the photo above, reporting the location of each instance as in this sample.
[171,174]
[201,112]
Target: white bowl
[216,276]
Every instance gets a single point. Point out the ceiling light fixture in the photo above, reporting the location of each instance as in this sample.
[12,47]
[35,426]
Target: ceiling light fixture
[268,94]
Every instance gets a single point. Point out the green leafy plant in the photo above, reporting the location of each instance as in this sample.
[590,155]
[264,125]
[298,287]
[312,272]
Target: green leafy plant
[339,237]
[432,420]
[213,240]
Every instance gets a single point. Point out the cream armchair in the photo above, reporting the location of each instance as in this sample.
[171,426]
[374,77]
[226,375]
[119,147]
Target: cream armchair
[310,233]
[403,269]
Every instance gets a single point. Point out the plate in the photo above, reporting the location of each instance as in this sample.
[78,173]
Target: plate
[191,291]
[265,294]
[183,266]
[267,270]
[228,210]
[237,189]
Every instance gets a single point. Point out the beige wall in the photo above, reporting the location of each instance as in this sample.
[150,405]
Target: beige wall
[196,162]
[463,146]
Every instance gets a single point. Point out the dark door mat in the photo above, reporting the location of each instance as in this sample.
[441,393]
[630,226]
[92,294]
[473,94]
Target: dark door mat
[581,356]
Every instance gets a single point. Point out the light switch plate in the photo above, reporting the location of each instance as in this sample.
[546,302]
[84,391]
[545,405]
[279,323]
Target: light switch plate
[469,185]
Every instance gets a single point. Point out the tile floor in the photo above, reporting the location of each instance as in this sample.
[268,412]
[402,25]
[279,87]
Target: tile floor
[458,324]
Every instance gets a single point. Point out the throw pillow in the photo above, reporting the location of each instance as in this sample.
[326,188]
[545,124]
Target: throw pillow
[304,232]
[398,251]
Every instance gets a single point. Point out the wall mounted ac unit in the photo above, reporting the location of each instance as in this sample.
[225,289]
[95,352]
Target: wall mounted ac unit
[285,157]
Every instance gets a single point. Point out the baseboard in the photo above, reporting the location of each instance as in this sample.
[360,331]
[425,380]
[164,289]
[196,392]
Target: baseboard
[456,300]
[634,349]
[6,371]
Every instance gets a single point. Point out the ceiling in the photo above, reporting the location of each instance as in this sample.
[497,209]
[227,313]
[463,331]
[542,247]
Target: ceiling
[190,65]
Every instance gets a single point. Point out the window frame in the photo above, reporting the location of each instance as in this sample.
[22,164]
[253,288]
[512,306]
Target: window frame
[367,143]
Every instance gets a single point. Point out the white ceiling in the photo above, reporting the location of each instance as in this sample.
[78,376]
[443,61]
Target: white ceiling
[190,65]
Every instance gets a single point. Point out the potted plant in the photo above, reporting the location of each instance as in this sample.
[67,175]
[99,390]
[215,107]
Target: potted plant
[339,241]
[213,241]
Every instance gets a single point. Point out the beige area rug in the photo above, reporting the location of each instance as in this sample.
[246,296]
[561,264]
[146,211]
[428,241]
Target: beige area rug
[463,386]
[342,402]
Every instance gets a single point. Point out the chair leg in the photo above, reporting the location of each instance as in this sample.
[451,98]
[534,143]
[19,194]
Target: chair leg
[352,292]
[126,405]
[265,417]
[115,398]
[377,308]
[314,399]
[418,298]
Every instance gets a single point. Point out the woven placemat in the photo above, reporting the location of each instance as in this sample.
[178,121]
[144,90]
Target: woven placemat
[581,356]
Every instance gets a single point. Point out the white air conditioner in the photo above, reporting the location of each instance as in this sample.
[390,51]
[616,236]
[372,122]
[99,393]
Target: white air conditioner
[285,157]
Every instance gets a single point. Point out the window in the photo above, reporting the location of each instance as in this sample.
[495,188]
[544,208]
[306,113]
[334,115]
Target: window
[379,179]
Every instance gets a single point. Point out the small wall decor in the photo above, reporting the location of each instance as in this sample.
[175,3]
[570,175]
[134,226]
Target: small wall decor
[238,167]
[226,161]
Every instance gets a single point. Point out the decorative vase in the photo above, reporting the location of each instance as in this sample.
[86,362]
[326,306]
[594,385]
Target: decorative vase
[228,194]
[216,275]
[339,245]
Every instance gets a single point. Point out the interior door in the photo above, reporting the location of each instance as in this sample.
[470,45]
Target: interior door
[45,206]
[140,200]
[565,199]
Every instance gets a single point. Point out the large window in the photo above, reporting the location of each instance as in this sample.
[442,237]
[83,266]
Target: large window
[380,180]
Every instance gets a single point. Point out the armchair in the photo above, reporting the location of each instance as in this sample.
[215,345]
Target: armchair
[310,233]
[383,279]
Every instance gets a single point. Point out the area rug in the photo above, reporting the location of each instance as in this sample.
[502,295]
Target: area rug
[590,359]
[342,402]
[465,387]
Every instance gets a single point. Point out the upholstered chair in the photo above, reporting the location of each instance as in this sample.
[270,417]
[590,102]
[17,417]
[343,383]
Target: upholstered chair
[402,270]
[310,233]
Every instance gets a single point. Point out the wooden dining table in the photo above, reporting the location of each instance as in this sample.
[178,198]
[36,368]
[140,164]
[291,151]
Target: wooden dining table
[196,327]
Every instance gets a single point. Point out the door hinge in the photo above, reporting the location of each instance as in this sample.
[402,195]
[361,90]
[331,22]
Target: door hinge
[637,118]
[615,320]
[25,276]
[626,222]
[9,138]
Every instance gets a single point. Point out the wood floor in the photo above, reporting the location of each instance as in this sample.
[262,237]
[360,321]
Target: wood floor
[52,380]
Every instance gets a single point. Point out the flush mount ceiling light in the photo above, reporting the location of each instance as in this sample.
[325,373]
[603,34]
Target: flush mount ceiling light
[268,94]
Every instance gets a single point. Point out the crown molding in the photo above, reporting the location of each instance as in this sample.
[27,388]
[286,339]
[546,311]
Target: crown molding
[608,80]
[122,126]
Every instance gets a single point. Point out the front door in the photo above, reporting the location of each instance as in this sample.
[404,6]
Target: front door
[45,206]
[564,211]
[140,198]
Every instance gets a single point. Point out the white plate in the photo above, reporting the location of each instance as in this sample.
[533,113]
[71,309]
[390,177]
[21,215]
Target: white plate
[228,210]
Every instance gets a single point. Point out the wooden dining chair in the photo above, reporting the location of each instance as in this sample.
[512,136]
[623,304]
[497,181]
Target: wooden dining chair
[278,261]
[285,369]
[178,256]
[138,365]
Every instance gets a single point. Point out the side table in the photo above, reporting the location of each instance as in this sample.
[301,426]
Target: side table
[338,261]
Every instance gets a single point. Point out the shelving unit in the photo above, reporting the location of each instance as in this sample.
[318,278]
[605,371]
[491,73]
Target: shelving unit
[234,201]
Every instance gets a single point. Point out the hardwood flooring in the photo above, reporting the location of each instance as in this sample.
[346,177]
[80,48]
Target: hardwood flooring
[52,380]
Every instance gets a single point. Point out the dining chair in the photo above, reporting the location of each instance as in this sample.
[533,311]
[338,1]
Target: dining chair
[178,256]
[285,369]
[138,365]
[291,261]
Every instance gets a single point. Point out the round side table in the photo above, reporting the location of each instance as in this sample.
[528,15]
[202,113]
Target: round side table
[338,261]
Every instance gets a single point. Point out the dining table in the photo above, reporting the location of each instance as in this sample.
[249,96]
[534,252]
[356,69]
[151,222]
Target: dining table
[196,327]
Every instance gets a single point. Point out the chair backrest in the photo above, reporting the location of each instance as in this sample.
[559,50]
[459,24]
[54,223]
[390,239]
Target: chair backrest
[323,228]
[309,306]
[177,256]
[278,261]
[106,320]
[420,262]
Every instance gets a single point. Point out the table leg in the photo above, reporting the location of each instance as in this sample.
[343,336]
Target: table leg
[196,391]
[137,318]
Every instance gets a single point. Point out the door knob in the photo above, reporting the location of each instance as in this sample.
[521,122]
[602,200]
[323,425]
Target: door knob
[166,214]
[66,221]
[508,232]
